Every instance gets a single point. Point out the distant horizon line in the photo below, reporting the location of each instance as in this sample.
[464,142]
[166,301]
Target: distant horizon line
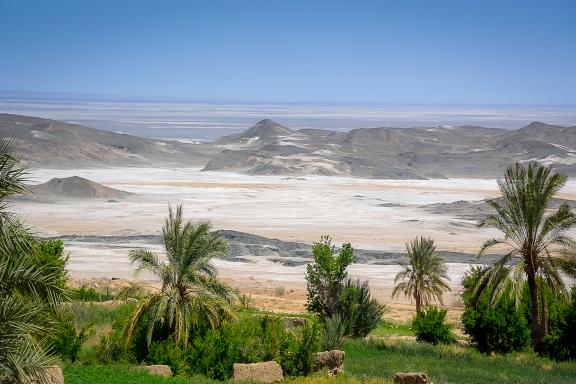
[18,95]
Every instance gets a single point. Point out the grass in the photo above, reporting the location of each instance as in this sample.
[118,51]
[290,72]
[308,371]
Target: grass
[445,364]
[390,328]
[125,374]
[340,379]
[99,314]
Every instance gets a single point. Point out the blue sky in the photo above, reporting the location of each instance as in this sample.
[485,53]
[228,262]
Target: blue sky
[429,51]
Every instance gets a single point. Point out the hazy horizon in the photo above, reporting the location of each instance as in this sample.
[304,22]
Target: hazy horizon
[208,120]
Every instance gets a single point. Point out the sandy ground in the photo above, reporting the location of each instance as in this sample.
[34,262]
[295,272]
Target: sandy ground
[269,296]
[303,209]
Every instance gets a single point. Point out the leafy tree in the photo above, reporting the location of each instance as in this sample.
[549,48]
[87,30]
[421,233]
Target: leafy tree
[424,276]
[30,293]
[191,293]
[326,276]
[537,241]
[344,305]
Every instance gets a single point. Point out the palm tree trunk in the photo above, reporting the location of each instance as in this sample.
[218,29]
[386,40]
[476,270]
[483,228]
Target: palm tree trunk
[535,326]
[418,301]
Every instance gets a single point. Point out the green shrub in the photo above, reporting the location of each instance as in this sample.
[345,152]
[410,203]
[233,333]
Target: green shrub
[212,352]
[85,293]
[333,333]
[168,353]
[560,342]
[69,337]
[500,328]
[359,311]
[112,349]
[429,325]
[50,255]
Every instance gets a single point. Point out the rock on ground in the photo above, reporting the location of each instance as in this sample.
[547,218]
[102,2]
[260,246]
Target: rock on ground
[267,372]
[410,378]
[331,360]
[162,370]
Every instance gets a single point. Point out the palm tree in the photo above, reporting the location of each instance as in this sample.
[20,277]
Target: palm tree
[190,293]
[424,276]
[29,292]
[12,175]
[535,237]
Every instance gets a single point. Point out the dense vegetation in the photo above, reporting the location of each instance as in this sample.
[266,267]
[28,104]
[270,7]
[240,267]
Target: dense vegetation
[538,246]
[32,281]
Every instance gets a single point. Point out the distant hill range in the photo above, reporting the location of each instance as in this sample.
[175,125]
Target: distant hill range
[269,148]
[395,153]
[49,142]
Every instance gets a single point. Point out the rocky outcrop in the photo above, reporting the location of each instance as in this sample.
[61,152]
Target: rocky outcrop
[333,361]
[267,372]
[410,378]
[161,370]
[78,188]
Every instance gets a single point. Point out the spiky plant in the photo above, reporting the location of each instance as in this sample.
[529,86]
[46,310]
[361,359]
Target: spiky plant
[424,276]
[535,238]
[190,291]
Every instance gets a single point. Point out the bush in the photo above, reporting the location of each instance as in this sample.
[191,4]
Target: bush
[501,328]
[358,310]
[85,293]
[212,352]
[333,333]
[112,349]
[69,338]
[429,325]
[50,255]
[560,342]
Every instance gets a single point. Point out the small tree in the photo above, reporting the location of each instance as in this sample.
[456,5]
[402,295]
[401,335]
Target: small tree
[424,276]
[326,276]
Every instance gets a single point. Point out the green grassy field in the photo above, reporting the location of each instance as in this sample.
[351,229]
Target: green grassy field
[448,364]
[114,374]
[389,328]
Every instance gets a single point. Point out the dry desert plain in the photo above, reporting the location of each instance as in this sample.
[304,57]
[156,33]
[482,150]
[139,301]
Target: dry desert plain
[371,214]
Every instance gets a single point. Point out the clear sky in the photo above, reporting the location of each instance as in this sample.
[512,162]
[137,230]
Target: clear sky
[403,51]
